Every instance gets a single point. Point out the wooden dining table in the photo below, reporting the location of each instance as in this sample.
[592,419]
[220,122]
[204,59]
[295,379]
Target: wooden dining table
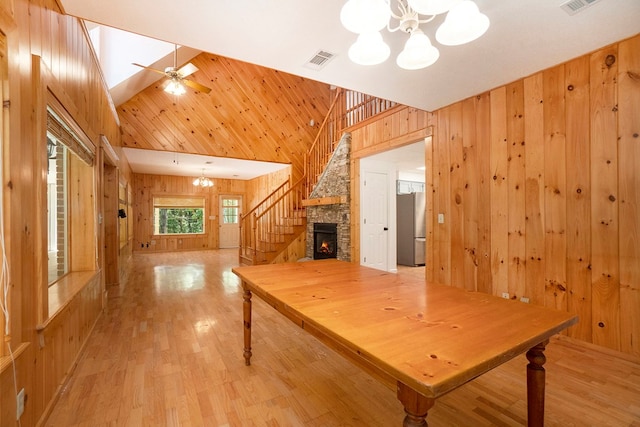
[421,339]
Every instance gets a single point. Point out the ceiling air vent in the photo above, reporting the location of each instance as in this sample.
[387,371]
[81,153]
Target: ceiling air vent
[319,60]
[574,6]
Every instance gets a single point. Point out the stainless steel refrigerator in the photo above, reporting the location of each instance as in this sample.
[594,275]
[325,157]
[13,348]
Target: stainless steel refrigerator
[411,227]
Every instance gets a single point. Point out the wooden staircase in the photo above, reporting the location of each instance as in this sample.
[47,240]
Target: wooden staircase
[280,218]
[273,224]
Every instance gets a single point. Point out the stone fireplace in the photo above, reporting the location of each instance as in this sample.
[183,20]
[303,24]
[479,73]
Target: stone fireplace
[334,185]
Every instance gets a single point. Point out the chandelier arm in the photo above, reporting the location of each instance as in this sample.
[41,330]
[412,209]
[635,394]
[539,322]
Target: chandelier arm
[402,8]
[424,21]
[393,30]
[393,15]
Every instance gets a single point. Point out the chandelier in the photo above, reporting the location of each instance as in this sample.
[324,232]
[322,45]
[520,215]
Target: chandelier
[463,24]
[202,181]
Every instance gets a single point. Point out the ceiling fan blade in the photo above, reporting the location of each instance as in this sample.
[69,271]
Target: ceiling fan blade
[187,70]
[196,86]
[149,68]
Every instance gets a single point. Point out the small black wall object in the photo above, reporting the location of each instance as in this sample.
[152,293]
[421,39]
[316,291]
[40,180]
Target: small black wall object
[122,213]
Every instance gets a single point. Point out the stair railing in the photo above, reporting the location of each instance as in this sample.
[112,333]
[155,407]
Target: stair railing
[248,222]
[318,155]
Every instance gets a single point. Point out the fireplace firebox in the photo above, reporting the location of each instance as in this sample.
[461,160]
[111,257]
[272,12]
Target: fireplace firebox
[325,240]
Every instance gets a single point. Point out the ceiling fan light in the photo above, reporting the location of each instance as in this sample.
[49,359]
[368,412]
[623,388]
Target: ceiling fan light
[369,49]
[361,16]
[463,24]
[175,87]
[418,52]
[432,7]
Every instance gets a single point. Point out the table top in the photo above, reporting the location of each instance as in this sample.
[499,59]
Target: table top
[433,338]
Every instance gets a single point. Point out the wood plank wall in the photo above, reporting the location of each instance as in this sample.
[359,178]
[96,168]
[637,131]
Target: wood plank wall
[37,33]
[259,188]
[539,184]
[145,187]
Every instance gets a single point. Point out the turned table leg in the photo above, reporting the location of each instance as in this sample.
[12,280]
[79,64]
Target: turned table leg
[246,312]
[415,405]
[536,384]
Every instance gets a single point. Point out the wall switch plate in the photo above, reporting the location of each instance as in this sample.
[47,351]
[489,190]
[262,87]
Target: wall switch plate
[20,404]
[505,295]
[440,218]
[525,299]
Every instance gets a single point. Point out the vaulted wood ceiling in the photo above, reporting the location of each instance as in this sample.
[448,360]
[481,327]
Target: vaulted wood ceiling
[252,113]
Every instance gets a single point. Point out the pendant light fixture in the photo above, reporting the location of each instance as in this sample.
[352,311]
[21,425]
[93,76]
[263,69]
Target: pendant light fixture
[463,24]
[203,181]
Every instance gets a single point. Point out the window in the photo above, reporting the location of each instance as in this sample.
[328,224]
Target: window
[178,215]
[70,194]
[230,210]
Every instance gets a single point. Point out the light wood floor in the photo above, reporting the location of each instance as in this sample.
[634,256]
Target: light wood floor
[168,352]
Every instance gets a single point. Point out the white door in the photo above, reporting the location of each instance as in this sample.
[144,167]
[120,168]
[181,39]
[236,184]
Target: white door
[230,221]
[374,217]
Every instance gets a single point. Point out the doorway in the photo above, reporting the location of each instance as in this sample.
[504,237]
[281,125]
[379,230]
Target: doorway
[402,164]
[230,207]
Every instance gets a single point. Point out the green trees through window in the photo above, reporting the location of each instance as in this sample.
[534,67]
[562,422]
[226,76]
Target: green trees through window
[178,215]
[180,220]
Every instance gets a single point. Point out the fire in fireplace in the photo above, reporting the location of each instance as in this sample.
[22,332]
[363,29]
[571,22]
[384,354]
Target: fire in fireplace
[325,240]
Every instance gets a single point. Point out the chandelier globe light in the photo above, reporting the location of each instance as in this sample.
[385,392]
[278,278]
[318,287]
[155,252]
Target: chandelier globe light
[463,24]
[363,16]
[418,52]
[369,49]
[203,181]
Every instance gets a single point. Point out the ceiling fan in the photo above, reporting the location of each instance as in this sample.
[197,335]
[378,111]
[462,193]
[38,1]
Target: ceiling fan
[176,78]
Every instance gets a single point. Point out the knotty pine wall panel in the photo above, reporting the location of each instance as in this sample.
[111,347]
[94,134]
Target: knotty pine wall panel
[578,195]
[534,189]
[605,232]
[252,113]
[515,190]
[555,164]
[457,183]
[259,188]
[562,149]
[482,139]
[470,193]
[629,192]
[399,126]
[145,187]
[442,201]
[499,192]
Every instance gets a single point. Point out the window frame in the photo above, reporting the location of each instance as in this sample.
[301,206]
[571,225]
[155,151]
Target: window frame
[159,201]
[82,208]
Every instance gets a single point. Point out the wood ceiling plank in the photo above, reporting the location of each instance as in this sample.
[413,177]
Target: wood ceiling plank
[252,113]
